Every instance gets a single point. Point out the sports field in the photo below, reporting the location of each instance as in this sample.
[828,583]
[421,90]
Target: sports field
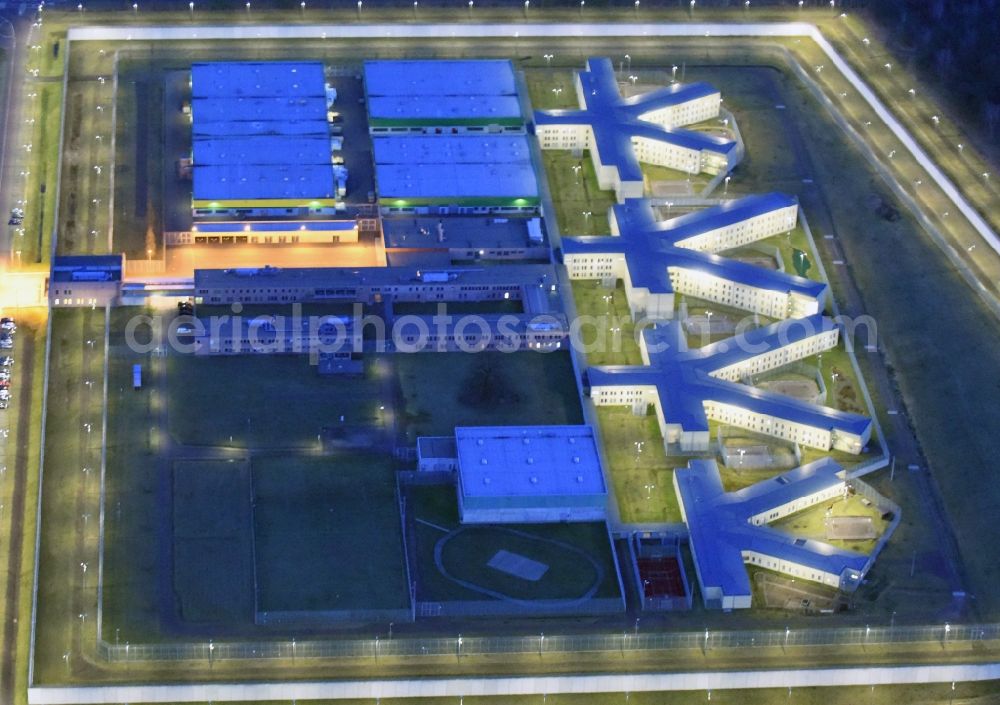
[213,544]
[327,534]
[454,561]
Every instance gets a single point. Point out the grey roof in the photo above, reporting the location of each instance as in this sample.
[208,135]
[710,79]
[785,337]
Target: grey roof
[459,231]
[516,276]
[517,461]
[649,249]
[260,131]
[615,120]
[720,530]
[684,382]
[441,89]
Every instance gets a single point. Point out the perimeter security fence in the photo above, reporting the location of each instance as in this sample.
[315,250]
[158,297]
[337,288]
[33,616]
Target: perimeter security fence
[626,641]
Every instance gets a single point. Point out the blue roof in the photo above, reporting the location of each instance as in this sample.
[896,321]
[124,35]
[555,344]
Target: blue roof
[263,150]
[684,378]
[260,131]
[720,530]
[616,120]
[63,267]
[452,149]
[258,181]
[649,249]
[528,461]
[454,166]
[272,109]
[263,79]
[446,89]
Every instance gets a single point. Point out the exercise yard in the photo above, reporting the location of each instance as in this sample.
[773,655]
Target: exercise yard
[840,522]
[327,535]
[530,563]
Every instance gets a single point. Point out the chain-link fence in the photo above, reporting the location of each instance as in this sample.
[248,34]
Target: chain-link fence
[615,642]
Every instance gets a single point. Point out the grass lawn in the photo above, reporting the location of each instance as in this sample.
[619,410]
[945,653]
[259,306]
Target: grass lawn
[280,400]
[213,548]
[498,389]
[71,485]
[551,89]
[810,522]
[327,533]
[643,481]
[40,185]
[612,339]
[466,553]
[574,194]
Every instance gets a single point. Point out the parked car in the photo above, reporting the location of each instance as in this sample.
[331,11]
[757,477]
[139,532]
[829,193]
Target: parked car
[3,404]
[4,374]
[6,342]
[6,361]
[8,325]
[4,384]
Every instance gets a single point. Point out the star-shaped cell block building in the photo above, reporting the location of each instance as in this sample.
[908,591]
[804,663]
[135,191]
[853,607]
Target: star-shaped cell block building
[657,259]
[621,133]
[690,388]
[729,530]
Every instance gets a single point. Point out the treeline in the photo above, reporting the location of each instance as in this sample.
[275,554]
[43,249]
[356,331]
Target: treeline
[954,43]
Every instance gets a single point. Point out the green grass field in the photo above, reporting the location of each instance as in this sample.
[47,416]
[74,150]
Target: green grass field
[70,485]
[327,534]
[575,193]
[551,89]
[465,554]
[508,389]
[643,481]
[809,522]
[612,339]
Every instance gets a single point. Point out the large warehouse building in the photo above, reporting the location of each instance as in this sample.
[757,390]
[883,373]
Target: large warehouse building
[658,259]
[462,96]
[621,133]
[449,138]
[261,140]
[524,474]
[690,388]
[728,530]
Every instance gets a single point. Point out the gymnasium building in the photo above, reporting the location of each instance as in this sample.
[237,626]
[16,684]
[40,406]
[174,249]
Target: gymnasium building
[521,474]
